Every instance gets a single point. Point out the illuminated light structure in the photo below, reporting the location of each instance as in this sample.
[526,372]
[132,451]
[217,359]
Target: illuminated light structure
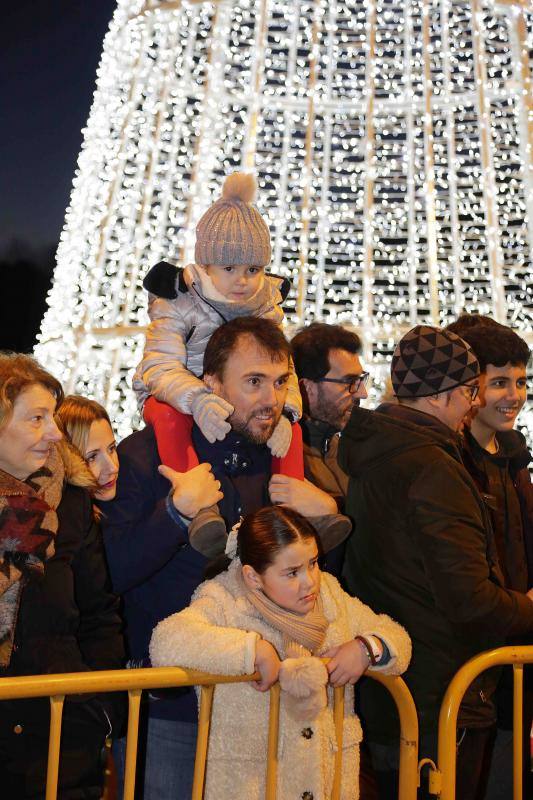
[393,144]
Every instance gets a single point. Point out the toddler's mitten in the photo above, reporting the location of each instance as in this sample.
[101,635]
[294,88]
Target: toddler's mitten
[210,413]
[280,440]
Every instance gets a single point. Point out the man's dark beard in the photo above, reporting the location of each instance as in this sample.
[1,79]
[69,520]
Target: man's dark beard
[241,426]
[325,410]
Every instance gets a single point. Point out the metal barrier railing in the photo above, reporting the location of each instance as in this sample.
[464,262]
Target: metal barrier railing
[442,778]
[56,687]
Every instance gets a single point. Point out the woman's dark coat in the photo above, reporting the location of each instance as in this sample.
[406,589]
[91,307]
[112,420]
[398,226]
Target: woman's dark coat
[68,622]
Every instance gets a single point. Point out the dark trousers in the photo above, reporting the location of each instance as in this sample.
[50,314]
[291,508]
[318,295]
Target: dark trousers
[473,760]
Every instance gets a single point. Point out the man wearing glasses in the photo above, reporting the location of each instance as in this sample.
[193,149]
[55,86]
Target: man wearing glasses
[424,550]
[332,382]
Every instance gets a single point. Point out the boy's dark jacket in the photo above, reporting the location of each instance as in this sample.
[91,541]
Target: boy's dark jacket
[513,456]
[423,552]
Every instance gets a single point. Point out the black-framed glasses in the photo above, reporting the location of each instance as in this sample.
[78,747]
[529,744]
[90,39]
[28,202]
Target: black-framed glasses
[352,384]
[473,389]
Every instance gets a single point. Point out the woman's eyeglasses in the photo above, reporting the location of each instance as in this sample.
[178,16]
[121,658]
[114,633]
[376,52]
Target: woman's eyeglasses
[352,385]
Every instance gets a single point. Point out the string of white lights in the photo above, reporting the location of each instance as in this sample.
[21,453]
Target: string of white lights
[393,146]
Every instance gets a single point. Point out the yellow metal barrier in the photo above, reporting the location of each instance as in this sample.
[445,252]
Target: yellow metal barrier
[442,779]
[56,687]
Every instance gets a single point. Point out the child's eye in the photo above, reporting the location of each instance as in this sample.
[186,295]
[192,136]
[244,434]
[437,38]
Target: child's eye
[521,383]
[228,269]
[253,270]
[37,418]
[254,381]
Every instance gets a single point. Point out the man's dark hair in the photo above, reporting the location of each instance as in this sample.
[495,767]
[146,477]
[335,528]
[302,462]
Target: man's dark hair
[311,346]
[492,342]
[266,333]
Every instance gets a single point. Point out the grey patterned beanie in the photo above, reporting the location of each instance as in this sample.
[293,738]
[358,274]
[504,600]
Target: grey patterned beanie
[429,361]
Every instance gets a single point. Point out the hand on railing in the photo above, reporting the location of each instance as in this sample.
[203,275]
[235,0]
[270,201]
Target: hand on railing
[267,663]
[347,663]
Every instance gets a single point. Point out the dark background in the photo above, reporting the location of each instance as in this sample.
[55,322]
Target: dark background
[49,55]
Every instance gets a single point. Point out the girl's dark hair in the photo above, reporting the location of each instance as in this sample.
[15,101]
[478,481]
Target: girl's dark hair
[267,531]
[263,534]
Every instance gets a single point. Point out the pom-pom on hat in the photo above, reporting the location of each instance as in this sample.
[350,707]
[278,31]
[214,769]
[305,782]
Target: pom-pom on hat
[232,231]
[429,361]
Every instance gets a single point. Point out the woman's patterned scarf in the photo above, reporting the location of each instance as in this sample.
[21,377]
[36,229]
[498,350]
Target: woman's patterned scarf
[28,525]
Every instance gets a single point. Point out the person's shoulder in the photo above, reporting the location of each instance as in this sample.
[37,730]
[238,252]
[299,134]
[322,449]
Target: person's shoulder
[279,284]
[226,587]
[140,447]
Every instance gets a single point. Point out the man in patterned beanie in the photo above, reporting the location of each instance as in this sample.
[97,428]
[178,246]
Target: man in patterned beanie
[424,551]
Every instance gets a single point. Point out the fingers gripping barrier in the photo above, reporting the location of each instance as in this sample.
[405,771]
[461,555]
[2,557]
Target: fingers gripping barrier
[56,687]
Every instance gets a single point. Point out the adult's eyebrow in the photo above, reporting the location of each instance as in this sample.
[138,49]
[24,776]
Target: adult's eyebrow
[264,375]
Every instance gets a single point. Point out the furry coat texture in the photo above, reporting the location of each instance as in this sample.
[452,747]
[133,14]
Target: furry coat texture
[180,329]
[217,633]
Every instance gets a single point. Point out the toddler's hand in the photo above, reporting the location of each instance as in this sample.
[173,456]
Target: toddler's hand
[210,413]
[193,490]
[348,662]
[267,663]
[280,440]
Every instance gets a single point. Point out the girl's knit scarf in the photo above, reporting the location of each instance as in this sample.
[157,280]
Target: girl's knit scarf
[302,677]
[28,525]
[302,634]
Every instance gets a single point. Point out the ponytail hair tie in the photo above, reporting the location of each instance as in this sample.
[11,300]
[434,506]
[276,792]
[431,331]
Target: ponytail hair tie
[231,544]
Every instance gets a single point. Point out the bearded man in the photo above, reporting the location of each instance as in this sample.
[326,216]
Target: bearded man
[152,564]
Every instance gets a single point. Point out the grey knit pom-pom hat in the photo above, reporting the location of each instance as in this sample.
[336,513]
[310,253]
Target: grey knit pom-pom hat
[232,231]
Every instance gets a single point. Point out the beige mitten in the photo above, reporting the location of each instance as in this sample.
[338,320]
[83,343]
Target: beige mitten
[280,440]
[210,413]
[304,682]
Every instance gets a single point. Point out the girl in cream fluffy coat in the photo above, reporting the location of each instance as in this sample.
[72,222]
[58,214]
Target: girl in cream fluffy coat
[274,611]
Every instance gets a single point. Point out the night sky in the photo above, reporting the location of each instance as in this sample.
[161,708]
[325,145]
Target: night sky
[50,52]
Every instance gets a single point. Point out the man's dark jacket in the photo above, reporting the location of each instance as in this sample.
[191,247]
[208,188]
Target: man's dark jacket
[423,552]
[151,562]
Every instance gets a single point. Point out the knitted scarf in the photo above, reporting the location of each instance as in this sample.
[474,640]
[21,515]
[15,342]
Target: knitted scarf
[28,525]
[302,678]
[302,635]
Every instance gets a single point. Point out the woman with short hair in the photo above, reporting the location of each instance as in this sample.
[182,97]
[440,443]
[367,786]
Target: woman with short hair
[57,611]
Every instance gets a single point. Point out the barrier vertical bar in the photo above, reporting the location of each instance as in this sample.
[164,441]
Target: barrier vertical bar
[134,700]
[54,740]
[204,722]
[272,747]
[518,706]
[408,780]
[338,718]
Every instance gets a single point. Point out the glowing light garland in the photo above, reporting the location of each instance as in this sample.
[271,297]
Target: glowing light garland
[393,143]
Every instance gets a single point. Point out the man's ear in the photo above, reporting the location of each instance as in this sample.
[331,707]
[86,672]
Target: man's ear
[251,578]
[437,401]
[309,391]
[212,383]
